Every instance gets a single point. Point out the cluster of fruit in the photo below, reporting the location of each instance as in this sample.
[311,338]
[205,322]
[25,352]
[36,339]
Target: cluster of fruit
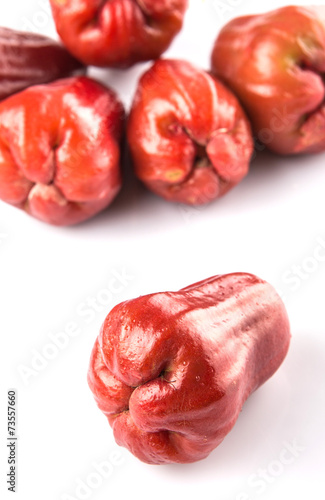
[190,132]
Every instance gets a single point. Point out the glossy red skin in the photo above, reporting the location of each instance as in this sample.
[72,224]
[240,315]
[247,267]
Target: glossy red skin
[275,63]
[29,59]
[118,33]
[59,150]
[172,370]
[188,135]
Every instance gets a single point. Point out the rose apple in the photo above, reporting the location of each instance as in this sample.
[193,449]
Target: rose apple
[188,135]
[118,33]
[28,59]
[275,63]
[59,149]
[171,371]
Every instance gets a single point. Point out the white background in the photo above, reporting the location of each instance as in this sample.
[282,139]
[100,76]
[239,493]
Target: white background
[273,221]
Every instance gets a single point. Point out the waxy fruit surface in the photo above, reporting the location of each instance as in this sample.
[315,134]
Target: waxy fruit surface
[118,33]
[28,59]
[60,151]
[275,63]
[189,137]
[171,371]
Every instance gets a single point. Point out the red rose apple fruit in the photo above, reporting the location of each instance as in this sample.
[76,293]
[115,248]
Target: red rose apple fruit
[29,59]
[275,63]
[117,33]
[171,371]
[59,150]
[188,135]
